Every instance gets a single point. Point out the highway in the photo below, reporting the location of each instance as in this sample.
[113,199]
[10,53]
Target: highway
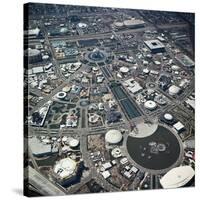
[43,185]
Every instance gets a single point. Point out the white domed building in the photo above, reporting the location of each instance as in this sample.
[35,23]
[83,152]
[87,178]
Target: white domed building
[174,90]
[124,70]
[113,136]
[168,117]
[65,170]
[34,55]
[150,105]
[177,177]
[73,143]
[82,25]
[61,95]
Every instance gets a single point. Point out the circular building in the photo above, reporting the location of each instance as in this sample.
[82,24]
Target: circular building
[82,25]
[65,170]
[33,55]
[61,95]
[168,117]
[116,152]
[113,136]
[150,105]
[73,143]
[174,90]
[177,177]
[94,118]
[96,55]
[124,70]
[156,153]
[63,30]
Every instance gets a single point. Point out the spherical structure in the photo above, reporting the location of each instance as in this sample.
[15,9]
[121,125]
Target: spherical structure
[113,136]
[73,143]
[34,55]
[61,95]
[168,116]
[174,90]
[150,105]
[124,70]
[81,25]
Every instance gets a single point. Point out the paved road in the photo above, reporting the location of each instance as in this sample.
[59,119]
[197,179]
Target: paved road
[43,185]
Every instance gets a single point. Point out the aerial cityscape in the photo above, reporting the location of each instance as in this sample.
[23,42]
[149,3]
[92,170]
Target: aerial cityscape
[109,99]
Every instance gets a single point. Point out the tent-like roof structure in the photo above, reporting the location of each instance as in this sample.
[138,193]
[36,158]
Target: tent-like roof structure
[177,177]
[113,136]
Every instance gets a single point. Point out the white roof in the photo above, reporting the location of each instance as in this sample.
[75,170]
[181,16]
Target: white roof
[82,25]
[116,152]
[113,136]
[132,85]
[191,102]
[123,161]
[61,95]
[63,30]
[168,116]
[73,142]
[177,177]
[134,169]
[146,71]
[133,22]
[118,24]
[178,126]
[93,118]
[154,44]
[33,52]
[124,69]
[66,89]
[64,139]
[173,90]
[107,165]
[175,67]
[37,70]
[65,167]
[106,174]
[35,31]
[150,105]
[38,147]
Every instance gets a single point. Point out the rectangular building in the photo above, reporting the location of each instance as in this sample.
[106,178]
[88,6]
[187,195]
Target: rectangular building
[155,46]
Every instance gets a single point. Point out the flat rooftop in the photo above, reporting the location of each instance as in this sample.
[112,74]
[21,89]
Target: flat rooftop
[154,44]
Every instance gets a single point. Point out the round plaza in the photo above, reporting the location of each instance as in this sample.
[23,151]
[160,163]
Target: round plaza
[156,153]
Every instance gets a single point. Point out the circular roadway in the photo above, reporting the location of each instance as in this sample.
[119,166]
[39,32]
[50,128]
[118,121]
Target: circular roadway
[156,153]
